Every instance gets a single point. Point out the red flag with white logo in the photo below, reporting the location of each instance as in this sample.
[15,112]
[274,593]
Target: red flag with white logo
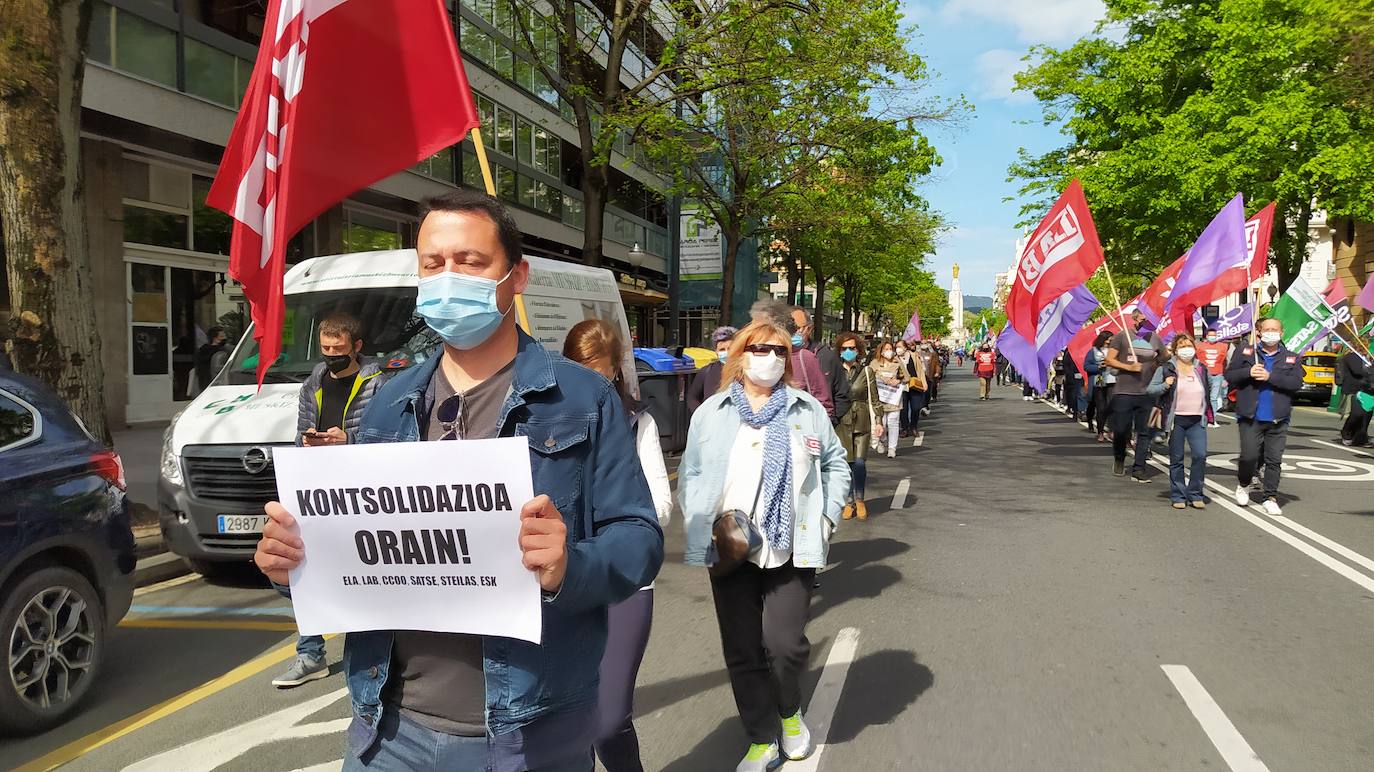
[343,94]
[1060,255]
[1156,296]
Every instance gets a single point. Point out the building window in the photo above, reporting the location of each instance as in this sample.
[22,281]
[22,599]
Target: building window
[155,227]
[505,131]
[472,172]
[212,74]
[145,49]
[439,166]
[210,228]
[100,38]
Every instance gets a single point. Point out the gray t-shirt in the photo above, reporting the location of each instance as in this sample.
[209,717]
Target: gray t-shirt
[436,678]
[1131,347]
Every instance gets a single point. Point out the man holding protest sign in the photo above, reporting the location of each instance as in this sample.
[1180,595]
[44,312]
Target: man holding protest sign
[1265,379]
[452,701]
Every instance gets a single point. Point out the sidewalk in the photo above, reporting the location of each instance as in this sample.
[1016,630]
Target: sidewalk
[140,449]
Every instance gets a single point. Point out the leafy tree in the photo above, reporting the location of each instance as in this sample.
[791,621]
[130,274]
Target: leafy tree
[1190,102]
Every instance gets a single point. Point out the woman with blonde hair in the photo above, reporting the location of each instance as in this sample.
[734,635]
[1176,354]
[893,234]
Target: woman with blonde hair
[888,372]
[595,344]
[761,455]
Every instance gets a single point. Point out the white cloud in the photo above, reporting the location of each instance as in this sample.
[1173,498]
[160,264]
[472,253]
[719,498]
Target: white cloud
[1036,21]
[996,75]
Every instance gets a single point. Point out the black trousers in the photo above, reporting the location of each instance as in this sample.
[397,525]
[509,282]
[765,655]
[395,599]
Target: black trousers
[1355,430]
[1099,407]
[762,615]
[1261,438]
[1131,416]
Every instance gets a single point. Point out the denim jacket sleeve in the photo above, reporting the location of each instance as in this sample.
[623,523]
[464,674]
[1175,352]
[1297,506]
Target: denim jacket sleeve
[625,550]
[834,471]
[1156,387]
[695,523]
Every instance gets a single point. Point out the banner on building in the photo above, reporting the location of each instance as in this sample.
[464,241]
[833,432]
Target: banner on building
[700,256]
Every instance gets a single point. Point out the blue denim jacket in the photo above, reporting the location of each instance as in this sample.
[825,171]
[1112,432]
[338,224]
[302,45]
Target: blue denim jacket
[583,457]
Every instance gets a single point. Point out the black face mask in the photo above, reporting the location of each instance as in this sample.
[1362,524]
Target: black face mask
[338,364]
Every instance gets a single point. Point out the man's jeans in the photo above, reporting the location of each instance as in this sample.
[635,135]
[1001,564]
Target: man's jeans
[1262,437]
[406,746]
[1217,386]
[1131,416]
[1193,430]
[311,646]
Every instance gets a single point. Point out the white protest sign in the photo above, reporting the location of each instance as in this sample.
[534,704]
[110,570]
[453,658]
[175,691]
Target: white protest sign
[411,536]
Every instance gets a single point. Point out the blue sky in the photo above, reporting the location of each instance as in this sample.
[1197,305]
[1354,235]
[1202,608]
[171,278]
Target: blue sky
[973,47]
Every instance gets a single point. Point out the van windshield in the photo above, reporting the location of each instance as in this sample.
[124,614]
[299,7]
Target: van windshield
[392,334]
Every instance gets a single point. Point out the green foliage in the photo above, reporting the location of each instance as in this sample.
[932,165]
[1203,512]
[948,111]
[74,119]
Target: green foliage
[1200,100]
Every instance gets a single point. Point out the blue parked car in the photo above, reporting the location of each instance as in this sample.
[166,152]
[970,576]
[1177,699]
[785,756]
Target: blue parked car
[66,555]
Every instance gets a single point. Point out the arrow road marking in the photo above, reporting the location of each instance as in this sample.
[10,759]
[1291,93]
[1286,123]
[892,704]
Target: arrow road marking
[1234,750]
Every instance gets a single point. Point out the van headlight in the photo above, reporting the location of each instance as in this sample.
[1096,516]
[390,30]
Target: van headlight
[171,465]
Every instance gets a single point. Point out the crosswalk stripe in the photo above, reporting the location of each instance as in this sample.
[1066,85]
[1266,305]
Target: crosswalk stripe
[899,495]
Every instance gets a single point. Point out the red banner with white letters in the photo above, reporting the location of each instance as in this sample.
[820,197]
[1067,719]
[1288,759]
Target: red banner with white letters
[1060,255]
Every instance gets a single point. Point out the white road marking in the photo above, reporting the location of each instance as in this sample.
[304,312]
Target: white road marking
[1223,497]
[328,766]
[1227,416]
[1236,752]
[176,582]
[1336,547]
[1339,446]
[899,495]
[210,753]
[919,440]
[820,712]
[1304,467]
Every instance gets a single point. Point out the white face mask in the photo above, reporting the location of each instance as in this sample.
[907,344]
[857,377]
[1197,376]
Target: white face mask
[765,369]
[888,354]
[1187,353]
[901,351]
[1270,337]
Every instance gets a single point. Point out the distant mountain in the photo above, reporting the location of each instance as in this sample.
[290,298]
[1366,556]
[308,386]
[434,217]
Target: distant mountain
[976,303]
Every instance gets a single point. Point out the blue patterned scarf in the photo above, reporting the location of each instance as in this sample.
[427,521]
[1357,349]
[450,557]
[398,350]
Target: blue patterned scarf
[777,462]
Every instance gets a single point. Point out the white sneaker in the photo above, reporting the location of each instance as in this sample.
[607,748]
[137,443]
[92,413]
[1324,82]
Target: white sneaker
[1272,508]
[915,441]
[796,738]
[760,758]
[892,454]
[1242,496]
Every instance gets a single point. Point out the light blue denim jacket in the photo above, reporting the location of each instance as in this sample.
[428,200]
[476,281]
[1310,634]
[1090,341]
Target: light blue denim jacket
[706,460]
[582,454]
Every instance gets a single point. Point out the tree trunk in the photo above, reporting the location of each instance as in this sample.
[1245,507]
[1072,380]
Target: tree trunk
[733,239]
[790,264]
[818,312]
[595,186]
[42,210]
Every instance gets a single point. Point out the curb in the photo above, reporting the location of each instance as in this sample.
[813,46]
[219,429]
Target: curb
[159,567]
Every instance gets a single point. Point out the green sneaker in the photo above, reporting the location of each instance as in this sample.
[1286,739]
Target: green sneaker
[760,758]
[796,738]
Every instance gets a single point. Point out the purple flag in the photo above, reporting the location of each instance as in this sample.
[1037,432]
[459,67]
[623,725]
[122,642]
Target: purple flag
[1057,324]
[913,327]
[1234,323]
[1365,299]
[1220,248]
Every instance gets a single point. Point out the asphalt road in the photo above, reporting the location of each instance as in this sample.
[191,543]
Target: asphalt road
[1015,608]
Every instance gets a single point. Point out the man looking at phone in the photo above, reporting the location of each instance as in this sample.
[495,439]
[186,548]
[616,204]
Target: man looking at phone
[425,700]
[331,407]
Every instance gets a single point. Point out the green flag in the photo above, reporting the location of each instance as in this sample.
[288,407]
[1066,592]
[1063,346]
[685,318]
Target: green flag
[1305,315]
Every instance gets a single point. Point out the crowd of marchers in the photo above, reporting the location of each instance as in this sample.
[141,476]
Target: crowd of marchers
[1134,390]
[780,429]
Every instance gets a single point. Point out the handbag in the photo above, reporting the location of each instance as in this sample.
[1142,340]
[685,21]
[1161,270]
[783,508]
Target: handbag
[734,538]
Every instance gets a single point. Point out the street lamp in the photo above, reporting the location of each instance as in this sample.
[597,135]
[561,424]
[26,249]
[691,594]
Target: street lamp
[636,257]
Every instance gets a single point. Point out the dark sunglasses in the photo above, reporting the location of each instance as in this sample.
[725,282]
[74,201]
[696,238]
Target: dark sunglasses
[450,415]
[766,348]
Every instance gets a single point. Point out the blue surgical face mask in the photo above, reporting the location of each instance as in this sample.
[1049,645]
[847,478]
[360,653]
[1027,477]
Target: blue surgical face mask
[461,308]
[796,340]
[722,356]
[849,355]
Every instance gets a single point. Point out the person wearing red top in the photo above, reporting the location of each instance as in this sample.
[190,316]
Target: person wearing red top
[1213,354]
[985,366]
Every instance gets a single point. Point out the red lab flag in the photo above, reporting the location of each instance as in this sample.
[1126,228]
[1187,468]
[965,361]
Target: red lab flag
[1060,255]
[1240,275]
[1156,296]
[343,93]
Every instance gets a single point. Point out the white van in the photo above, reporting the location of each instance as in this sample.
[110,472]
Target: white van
[217,455]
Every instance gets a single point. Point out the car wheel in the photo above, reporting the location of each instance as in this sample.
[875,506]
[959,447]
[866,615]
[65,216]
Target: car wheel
[54,630]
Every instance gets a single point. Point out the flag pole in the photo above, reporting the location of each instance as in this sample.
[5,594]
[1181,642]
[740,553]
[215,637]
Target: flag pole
[1120,315]
[482,160]
[1259,294]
